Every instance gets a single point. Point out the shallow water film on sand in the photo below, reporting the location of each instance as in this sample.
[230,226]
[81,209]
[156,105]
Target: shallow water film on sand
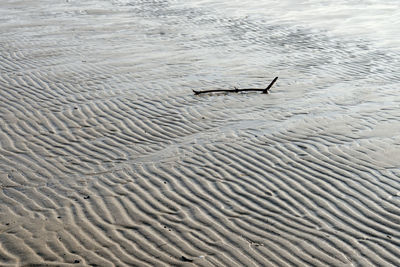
[107,158]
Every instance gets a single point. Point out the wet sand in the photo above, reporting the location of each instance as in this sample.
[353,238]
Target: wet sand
[108,159]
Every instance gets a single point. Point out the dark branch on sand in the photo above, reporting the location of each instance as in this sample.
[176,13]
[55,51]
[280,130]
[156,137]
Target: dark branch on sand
[237,90]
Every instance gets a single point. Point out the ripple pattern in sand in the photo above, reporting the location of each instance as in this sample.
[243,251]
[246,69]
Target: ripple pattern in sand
[107,159]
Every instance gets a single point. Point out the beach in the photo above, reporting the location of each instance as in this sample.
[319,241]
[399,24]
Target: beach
[108,158]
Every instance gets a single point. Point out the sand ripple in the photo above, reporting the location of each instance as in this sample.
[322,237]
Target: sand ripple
[107,159]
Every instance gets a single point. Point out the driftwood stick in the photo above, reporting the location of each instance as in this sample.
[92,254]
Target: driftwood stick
[237,90]
[269,86]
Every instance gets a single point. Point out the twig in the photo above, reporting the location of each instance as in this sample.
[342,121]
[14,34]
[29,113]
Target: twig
[237,90]
[269,86]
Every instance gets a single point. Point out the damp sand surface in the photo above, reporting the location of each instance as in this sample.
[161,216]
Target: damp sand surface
[107,158]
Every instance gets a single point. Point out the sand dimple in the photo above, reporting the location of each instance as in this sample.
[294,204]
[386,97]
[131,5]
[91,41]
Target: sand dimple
[107,159]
